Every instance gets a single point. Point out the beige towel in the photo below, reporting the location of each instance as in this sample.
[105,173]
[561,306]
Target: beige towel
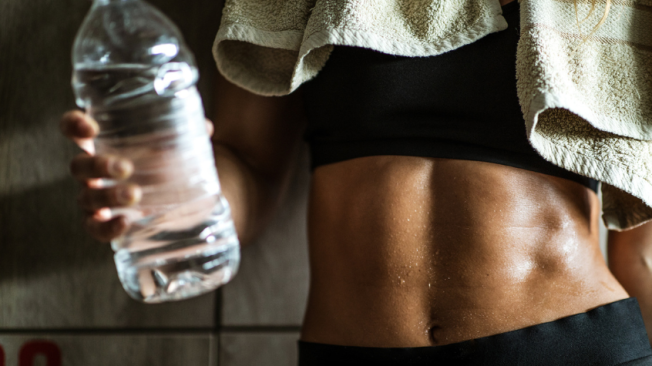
[279,44]
[587,106]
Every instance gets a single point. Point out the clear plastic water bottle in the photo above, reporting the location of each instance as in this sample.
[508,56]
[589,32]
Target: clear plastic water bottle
[136,77]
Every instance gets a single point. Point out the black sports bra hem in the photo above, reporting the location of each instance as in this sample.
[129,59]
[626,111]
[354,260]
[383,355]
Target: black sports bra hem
[335,152]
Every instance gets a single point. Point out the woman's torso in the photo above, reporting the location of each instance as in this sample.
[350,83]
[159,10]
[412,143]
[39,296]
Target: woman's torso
[409,251]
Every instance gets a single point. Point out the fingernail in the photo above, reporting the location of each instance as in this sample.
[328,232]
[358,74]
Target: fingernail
[128,195]
[120,168]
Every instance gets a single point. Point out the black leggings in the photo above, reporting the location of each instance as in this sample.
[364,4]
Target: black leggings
[613,334]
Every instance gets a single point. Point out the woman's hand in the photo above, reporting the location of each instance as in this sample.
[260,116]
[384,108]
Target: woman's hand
[256,148]
[88,169]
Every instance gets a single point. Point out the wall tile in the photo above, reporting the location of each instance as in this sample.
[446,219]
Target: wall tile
[603,229]
[603,238]
[259,349]
[108,350]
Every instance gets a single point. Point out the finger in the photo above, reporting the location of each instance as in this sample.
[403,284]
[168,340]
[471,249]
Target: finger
[84,167]
[106,230]
[103,214]
[118,196]
[209,127]
[80,128]
[77,124]
[94,183]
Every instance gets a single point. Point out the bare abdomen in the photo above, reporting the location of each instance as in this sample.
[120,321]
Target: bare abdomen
[409,251]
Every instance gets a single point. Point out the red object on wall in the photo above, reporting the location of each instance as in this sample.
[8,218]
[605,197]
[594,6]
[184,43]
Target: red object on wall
[2,356]
[30,349]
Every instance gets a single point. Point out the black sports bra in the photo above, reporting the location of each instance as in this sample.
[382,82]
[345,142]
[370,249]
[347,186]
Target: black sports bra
[459,105]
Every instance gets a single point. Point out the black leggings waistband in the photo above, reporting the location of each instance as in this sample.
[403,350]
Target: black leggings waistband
[613,334]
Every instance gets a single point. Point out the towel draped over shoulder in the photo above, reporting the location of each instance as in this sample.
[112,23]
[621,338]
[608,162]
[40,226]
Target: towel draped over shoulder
[586,97]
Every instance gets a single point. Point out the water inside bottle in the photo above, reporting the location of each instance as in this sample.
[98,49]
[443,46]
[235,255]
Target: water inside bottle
[181,241]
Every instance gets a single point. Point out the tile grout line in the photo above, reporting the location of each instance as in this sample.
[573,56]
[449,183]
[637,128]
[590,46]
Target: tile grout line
[145,331]
[260,329]
[108,331]
[219,295]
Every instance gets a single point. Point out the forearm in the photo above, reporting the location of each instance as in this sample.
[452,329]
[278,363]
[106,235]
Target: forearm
[630,260]
[253,197]
[256,143]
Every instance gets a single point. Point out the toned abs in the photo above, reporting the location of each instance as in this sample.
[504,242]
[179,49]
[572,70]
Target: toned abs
[410,251]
